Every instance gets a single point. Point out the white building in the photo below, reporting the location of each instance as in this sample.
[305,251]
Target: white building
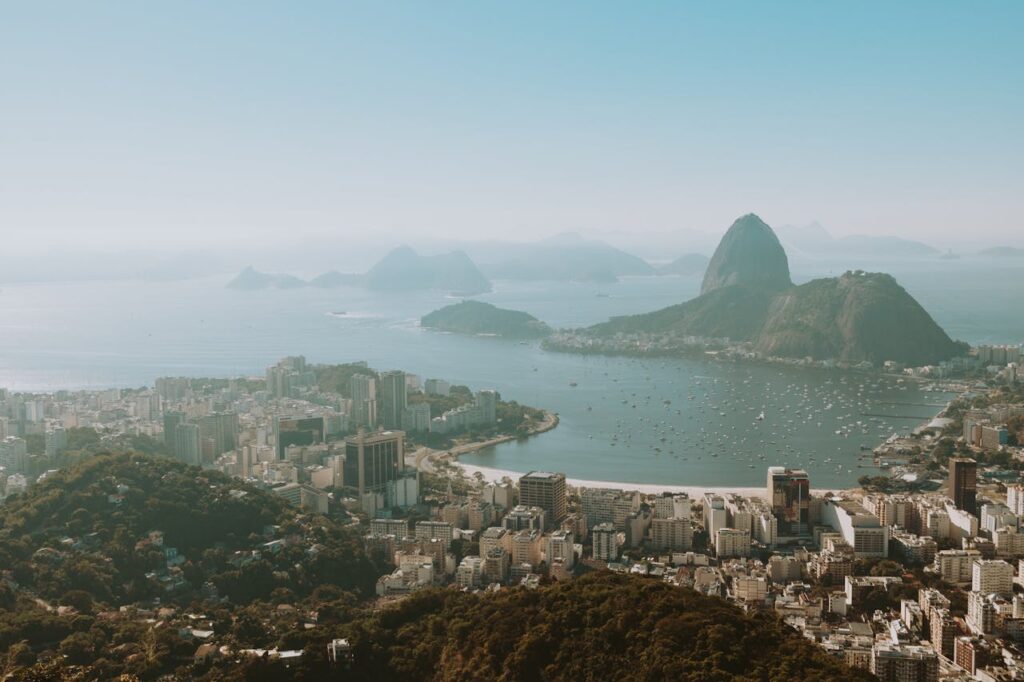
[954,565]
[732,542]
[861,530]
[991,576]
[561,548]
[671,533]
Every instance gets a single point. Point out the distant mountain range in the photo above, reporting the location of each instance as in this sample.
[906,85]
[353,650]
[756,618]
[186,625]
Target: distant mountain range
[1002,252]
[747,295]
[688,265]
[565,257]
[401,270]
[814,239]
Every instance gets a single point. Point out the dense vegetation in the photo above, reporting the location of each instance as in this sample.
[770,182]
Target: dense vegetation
[601,626]
[476,317]
[859,316]
[81,538]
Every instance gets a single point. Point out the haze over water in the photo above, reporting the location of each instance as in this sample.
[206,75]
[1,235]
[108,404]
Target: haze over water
[627,419]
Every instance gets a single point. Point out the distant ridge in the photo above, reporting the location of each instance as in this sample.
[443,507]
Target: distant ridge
[400,270]
[1002,252]
[747,296]
[687,265]
[405,270]
[815,240]
[564,257]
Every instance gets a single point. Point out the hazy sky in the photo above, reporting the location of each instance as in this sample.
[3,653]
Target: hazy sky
[195,123]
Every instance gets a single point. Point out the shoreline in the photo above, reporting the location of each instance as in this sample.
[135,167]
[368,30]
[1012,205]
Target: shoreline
[426,458]
[694,491]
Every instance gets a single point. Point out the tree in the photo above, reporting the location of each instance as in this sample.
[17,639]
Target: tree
[80,600]
[887,567]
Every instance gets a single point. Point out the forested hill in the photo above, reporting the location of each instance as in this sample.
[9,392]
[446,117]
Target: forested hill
[601,626]
[129,531]
[89,528]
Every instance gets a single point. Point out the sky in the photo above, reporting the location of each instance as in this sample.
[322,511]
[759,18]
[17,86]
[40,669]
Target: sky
[195,125]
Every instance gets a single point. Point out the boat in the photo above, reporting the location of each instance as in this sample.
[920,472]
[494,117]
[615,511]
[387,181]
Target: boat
[573,384]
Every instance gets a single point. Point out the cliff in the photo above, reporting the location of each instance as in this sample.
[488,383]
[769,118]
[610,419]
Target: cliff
[749,255]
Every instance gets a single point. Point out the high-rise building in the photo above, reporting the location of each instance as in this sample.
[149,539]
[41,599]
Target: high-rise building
[963,483]
[789,494]
[547,491]
[606,542]
[372,460]
[364,401]
[221,428]
[55,440]
[991,576]
[187,443]
[392,398]
[560,548]
[944,631]
[525,518]
[289,374]
[14,454]
[672,534]
[487,401]
[904,663]
[436,387]
[298,431]
[732,542]
[171,421]
[860,529]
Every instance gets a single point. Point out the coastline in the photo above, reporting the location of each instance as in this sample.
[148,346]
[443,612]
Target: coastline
[694,491]
[426,459]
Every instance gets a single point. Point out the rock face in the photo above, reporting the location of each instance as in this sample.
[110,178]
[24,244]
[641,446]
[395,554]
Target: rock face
[748,255]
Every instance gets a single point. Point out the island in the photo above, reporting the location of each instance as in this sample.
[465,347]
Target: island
[483,319]
[251,279]
[402,269]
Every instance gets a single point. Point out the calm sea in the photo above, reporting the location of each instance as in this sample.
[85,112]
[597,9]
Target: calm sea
[681,422]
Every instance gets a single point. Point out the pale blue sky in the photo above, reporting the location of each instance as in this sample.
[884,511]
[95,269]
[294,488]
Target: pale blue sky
[120,120]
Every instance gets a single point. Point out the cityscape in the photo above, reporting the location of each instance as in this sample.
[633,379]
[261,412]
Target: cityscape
[526,342]
[909,576]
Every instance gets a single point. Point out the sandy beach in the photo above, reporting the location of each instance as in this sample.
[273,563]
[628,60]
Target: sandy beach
[694,491]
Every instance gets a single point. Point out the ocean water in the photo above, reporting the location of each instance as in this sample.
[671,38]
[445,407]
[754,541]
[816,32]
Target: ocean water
[673,421]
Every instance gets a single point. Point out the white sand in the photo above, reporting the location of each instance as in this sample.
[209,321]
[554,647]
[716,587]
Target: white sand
[694,491]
